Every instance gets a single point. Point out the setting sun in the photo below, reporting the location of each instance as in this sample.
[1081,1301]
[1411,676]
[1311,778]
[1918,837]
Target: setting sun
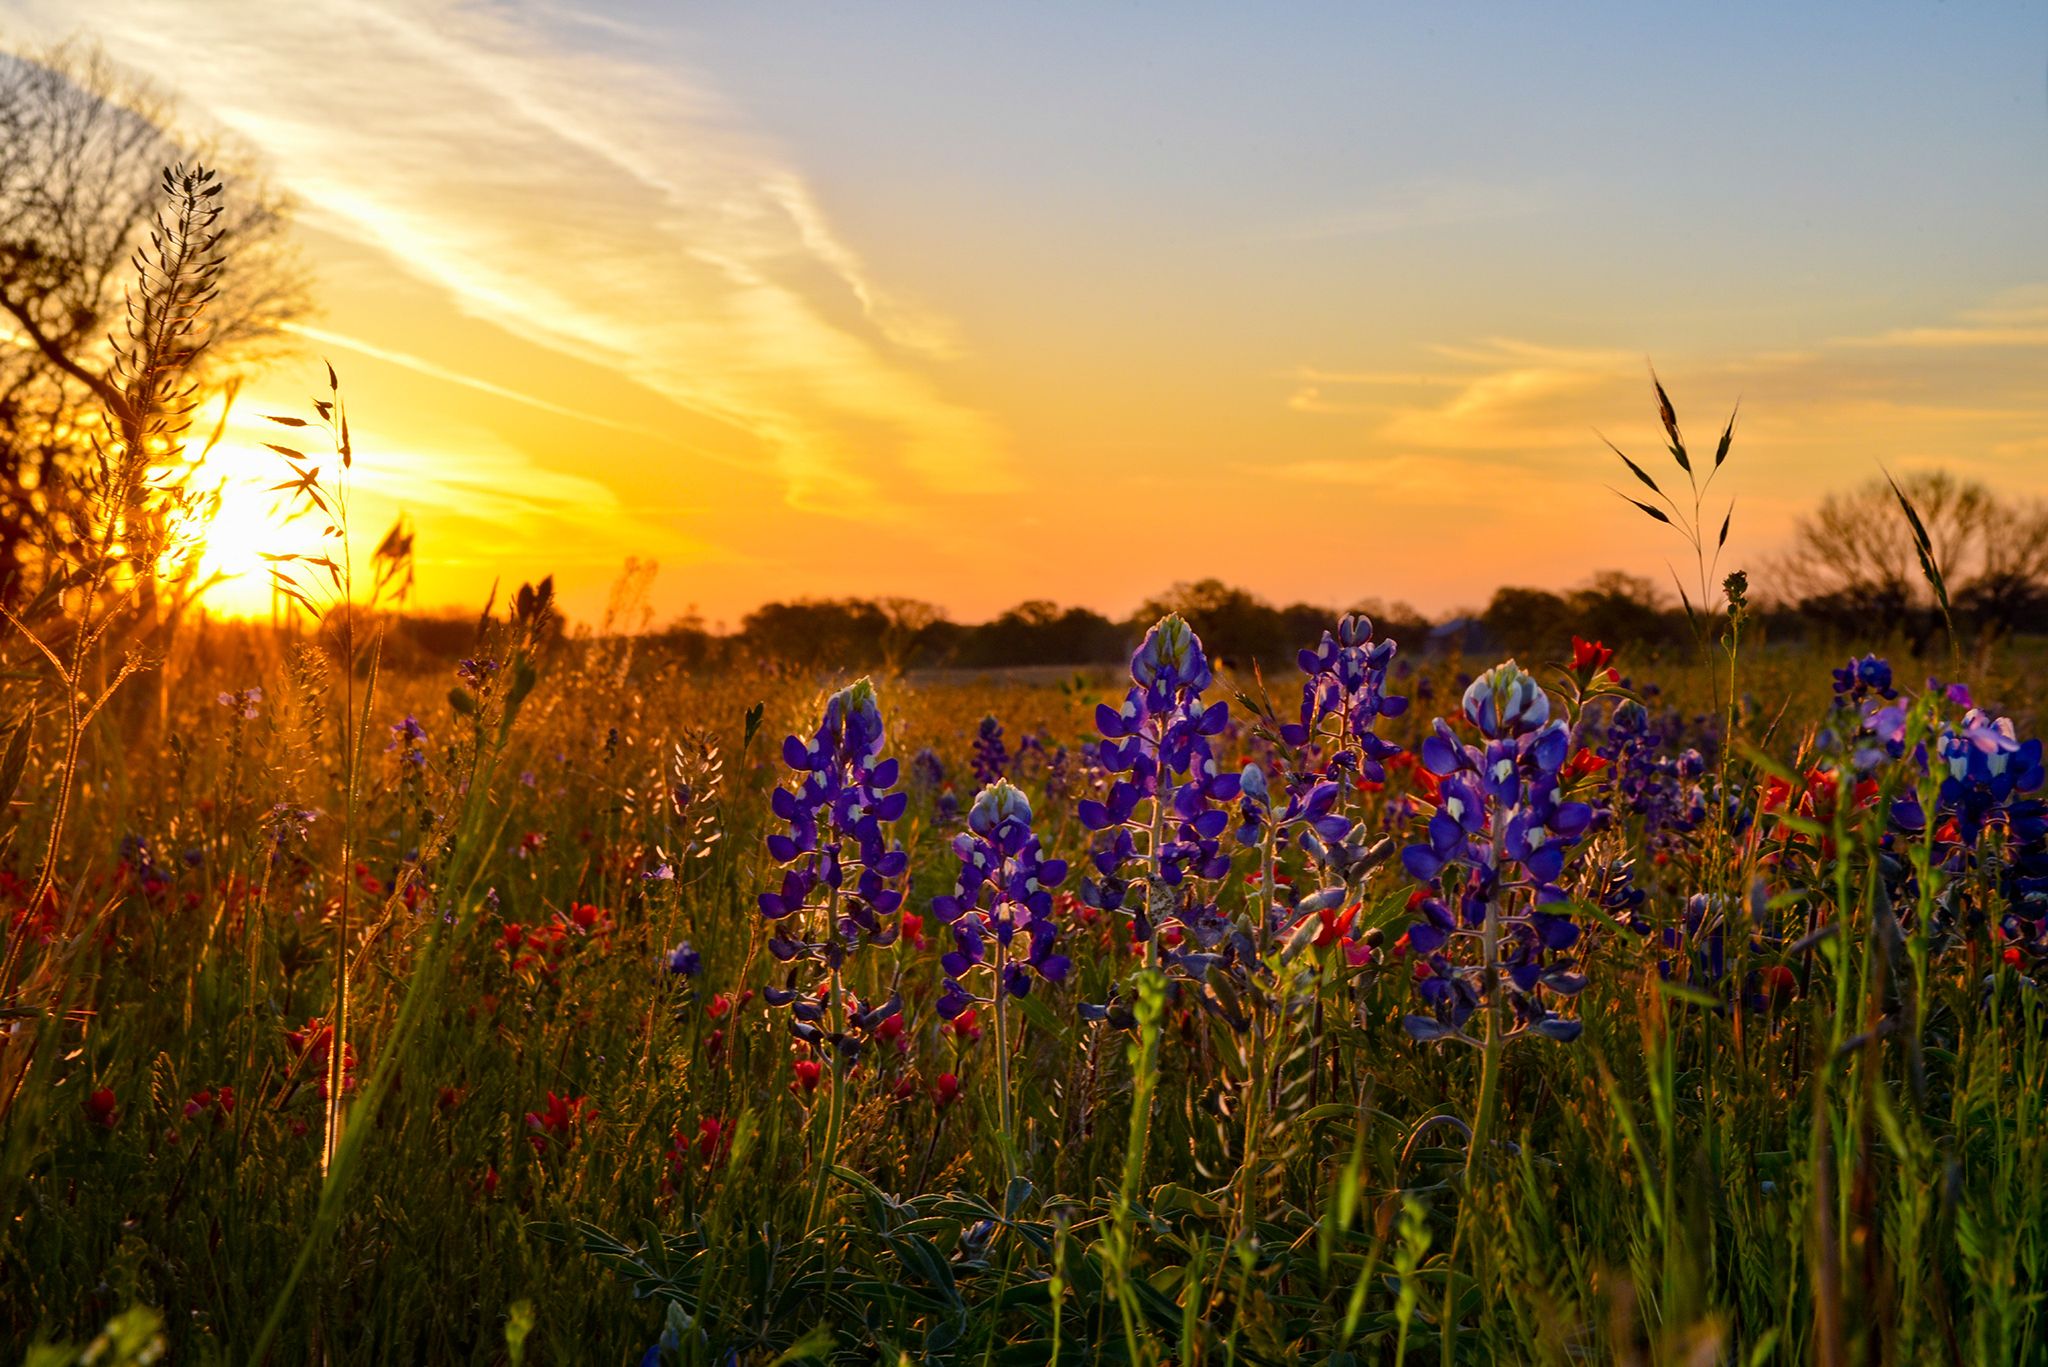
[1145,685]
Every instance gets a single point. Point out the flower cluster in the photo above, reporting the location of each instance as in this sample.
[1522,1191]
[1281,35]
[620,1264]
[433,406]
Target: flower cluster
[1336,749]
[244,703]
[1004,890]
[991,760]
[840,868]
[1344,698]
[310,1047]
[559,1122]
[1645,780]
[1157,748]
[1859,680]
[409,740]
[1989,779]
[1495,850]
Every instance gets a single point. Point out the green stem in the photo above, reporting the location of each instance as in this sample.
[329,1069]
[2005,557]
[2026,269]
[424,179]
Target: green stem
[1004,1108]
[835,1105]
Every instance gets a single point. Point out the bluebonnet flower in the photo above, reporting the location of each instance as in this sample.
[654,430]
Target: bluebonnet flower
[1003,890]
[477,672]
[1644,779]
[1335,746]
[1858,680]
[1697,948]
[1059,773]
[1989,779]
[836,819]
[244,703]
[683,961]
[1345,696]
[991,760]
[409,739]
[1495,850]
[1308,818]
[1166,782]
[287,822]
[142,866]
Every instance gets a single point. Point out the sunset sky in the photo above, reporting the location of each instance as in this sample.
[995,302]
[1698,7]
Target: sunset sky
[978,304]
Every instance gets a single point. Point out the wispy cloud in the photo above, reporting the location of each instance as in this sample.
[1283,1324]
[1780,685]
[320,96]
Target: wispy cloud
[420,365]
[1517,418]
[615,210]
[2017,319]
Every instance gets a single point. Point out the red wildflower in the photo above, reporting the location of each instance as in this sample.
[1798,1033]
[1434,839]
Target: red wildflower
[1779,985]
[967,1027]
[564,1116]
[1580,765]
[1335,926]
[1589,655]
[890,1031]
[310,1047]
[945,1091]
[808,1071]
[100,1108]
[221,1104]
[714,1139]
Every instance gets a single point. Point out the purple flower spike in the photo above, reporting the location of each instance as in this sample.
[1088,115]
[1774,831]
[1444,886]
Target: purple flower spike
[1000,909]
[1495,849]
[841,872]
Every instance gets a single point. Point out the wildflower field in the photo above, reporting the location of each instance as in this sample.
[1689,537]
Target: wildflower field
[577,997]
[1384,1012]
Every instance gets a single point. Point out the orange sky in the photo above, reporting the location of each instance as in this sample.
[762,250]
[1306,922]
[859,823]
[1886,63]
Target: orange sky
[972,309]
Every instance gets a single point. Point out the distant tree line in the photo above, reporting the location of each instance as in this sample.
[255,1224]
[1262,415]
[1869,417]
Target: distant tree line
[1851,578]
[1853,565]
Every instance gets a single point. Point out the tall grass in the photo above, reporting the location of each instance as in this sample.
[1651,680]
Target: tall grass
[1771,1184]
[358,1015]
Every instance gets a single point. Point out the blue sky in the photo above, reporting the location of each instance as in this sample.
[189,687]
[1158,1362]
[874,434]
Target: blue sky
[838,298]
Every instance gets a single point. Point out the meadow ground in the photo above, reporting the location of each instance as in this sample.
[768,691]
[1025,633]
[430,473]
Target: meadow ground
[1570,1033]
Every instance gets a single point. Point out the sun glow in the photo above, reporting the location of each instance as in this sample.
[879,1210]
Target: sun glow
[246,523]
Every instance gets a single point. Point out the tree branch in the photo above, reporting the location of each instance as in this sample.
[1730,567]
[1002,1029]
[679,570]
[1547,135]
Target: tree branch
[102,389]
